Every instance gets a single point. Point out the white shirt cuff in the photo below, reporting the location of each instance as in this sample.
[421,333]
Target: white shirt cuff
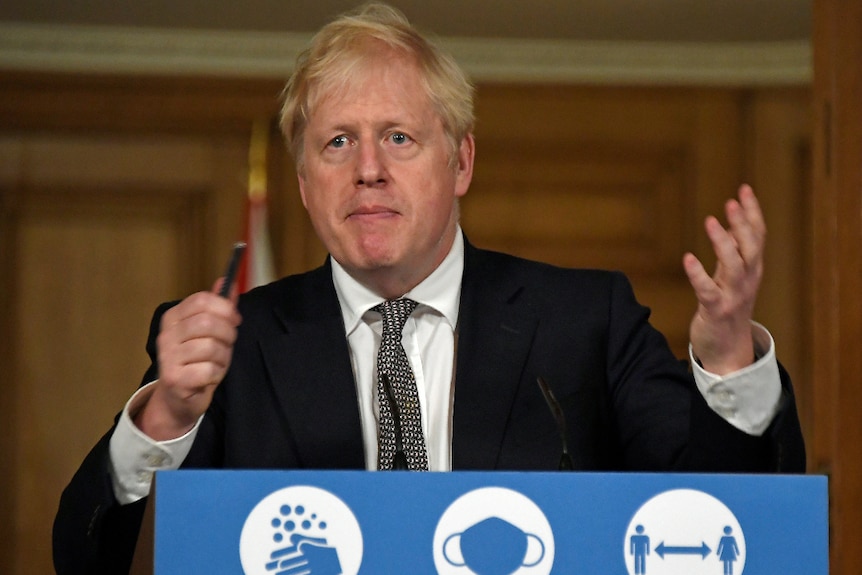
[748,398]
[135,456]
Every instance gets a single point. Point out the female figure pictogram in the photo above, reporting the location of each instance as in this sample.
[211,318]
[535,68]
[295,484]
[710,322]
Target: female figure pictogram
[727,551]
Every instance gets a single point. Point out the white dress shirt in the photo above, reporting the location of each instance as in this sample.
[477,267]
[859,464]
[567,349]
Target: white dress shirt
[748,398]
[429,342]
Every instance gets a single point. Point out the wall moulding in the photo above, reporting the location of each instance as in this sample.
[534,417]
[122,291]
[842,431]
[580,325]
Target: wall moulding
[266,54]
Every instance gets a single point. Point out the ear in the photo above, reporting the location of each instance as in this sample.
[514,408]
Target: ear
[464,173]
[301,179]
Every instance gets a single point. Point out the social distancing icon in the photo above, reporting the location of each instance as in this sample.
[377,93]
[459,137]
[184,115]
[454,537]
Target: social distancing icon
[684,532]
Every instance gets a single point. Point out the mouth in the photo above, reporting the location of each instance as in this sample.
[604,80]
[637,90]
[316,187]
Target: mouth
[371,212]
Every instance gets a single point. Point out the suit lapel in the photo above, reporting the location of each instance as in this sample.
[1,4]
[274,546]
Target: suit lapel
[308,364]
[495,333]
[309,367]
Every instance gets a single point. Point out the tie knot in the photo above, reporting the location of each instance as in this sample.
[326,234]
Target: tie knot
[395,313]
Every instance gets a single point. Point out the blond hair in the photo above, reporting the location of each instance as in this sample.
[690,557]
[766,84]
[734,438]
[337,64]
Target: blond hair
[340,49]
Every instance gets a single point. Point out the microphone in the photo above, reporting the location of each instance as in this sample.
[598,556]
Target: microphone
[566,463]
[399,460]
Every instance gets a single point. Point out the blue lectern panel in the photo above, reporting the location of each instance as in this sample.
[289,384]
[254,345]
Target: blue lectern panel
[499,523]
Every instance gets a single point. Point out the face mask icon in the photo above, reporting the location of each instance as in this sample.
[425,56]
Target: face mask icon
[493,547]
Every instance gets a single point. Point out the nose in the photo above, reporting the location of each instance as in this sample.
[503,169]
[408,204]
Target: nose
[370,169]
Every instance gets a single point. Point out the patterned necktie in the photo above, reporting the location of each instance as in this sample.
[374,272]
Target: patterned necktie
[392,363]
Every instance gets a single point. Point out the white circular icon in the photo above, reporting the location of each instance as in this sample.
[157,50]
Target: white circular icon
[493,530]
[684,532]
[300,529]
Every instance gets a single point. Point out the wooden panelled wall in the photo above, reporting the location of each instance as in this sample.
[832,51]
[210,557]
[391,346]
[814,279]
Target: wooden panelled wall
[837,241]
[118,193]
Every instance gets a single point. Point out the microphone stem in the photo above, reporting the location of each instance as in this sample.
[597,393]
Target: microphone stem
[566,463]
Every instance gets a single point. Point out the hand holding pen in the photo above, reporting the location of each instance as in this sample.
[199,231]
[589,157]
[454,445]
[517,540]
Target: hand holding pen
[194,350]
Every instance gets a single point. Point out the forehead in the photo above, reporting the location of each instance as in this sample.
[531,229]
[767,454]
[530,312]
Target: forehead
[388,82]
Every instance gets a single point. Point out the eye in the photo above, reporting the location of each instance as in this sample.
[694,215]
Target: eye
[399,138]
[338,142]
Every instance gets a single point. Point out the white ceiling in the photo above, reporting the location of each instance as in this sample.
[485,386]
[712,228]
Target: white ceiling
[614,20]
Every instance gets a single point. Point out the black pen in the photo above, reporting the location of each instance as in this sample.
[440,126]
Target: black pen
[232,268]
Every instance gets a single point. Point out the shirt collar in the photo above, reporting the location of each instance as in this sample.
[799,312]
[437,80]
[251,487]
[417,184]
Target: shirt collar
[441,290]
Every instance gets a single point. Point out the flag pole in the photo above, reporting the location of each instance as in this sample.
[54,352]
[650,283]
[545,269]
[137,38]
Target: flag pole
[257,267]
[257,160]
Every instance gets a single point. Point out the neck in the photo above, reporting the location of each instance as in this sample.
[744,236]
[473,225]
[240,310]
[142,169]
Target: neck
[392,282]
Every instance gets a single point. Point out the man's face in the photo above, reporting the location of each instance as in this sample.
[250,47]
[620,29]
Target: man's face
[377,179]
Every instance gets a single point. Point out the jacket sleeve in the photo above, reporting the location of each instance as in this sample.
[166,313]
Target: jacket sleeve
[93,533]
[663,421]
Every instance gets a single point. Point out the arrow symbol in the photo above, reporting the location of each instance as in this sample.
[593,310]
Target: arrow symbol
[663,550]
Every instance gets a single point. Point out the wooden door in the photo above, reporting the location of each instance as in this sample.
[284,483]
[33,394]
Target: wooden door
[101,229]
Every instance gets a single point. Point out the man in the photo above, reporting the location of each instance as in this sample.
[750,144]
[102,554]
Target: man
[289,375]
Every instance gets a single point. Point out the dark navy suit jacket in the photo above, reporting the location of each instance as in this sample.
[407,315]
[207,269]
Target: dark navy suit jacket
[289,399]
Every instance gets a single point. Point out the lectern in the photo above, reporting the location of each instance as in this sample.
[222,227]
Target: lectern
[485,523]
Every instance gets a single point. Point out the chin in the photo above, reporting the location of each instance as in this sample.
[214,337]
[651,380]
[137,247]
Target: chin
[372,253]
[366,261]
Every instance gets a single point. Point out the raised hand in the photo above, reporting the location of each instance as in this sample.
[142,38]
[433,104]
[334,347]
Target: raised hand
[195,346]
[720,331]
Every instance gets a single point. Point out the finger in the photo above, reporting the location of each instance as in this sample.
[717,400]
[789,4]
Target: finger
[726,249]
[747,227]
[754,213]
[175,349]
[203,339]
[187,379]
[203,350]
[746,244]
[206,303]
[205,325]
[705,288]
[197,303]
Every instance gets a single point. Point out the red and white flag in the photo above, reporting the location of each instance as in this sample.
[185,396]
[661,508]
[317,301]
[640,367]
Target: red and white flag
[257,266]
